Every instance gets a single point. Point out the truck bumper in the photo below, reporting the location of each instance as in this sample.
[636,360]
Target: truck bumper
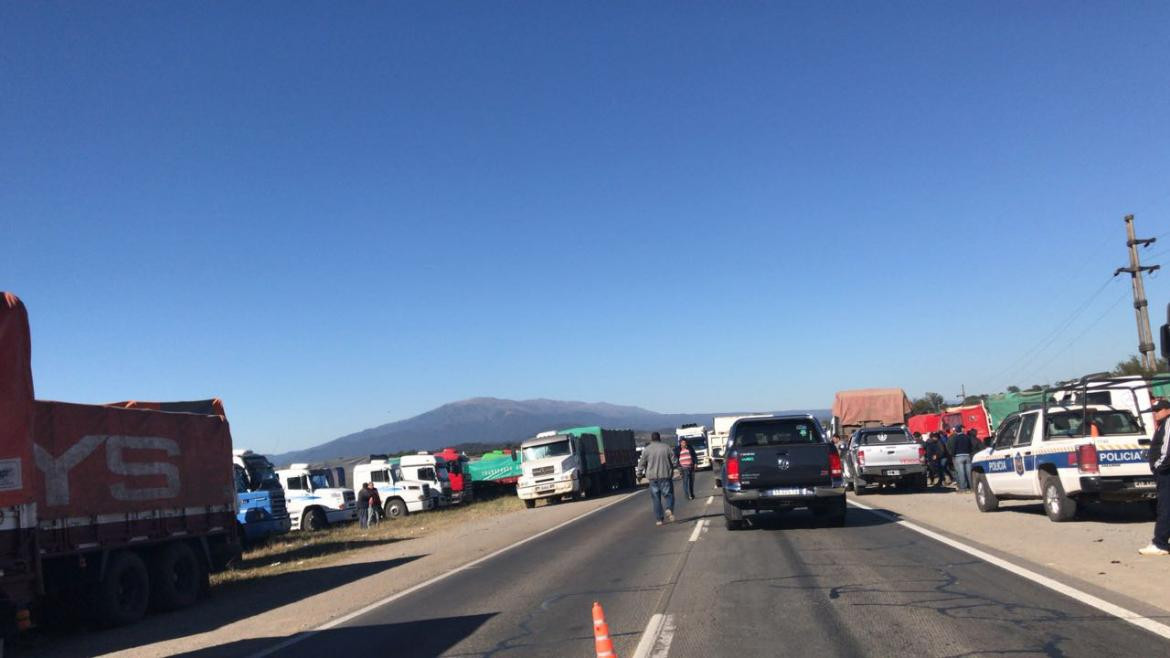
[879,474]
[548,489]
[341,515]
[764,499]
[423,505]
[1119,488]
[254,530]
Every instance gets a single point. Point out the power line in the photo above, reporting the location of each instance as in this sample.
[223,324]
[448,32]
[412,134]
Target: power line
[1081,335]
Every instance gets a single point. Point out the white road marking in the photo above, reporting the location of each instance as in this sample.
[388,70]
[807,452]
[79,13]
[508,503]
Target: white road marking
[698,528]
[709,499]
[1084,597]
[427,583]
[656,639]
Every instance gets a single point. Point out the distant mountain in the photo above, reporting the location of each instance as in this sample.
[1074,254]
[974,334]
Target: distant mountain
[490,420]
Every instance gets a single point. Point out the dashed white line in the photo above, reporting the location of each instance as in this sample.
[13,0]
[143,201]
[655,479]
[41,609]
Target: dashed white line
[709,499]
[656,639]
[426,583]
[1084,597]
[698,528]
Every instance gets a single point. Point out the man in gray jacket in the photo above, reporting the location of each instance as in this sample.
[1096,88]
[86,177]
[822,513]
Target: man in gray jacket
[658,463]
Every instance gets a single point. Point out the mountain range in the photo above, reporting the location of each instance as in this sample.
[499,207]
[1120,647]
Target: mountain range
[492,420]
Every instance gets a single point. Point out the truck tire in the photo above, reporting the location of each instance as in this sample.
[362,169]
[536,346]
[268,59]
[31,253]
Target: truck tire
[733,516]
[314,520]
[175,577]
[858,488]
[122,595]
[985,500]
[1058,506]
[529,503]
[394,509]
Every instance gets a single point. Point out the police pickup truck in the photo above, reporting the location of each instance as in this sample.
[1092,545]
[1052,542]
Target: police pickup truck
[1065,455]
[884,455]
[781,462]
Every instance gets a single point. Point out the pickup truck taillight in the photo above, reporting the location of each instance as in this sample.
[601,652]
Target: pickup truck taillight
[1087,459]
[861,458]
[733,469]
[921,455]
[835,464]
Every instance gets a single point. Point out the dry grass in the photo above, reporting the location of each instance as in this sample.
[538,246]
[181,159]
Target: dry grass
[303,550]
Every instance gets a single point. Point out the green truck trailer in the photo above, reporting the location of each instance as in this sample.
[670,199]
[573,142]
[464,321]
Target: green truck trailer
[498,467]
[576,462]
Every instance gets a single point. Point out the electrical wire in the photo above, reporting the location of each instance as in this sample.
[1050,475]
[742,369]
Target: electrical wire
[1087,329]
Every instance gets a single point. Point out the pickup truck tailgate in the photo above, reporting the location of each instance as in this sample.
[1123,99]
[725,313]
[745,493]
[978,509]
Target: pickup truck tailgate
[890,455]
[774,454]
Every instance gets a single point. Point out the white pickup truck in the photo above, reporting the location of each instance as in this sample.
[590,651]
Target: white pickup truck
[881,456]
[1065,456]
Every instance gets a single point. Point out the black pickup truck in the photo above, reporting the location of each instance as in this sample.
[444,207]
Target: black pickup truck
[781,462]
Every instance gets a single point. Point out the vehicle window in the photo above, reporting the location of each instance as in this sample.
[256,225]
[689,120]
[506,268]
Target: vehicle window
[298,483]
[1027,428]
[884,438]
[555,449]
[241,479]
[320,481]
[425,473]
[1065,424]
[775,432]
[1006,435]
[378,476]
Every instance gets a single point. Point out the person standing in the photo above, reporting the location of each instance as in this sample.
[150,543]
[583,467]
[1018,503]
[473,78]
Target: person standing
[961,449]
[1160,466]
[375,504]
[934,453]
[944,458]
[684,454]
[363,505]
[658,463]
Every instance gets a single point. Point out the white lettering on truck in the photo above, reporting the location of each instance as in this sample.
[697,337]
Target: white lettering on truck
[56,469]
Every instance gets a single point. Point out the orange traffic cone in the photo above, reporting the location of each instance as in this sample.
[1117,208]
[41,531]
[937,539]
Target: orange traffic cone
[601,640]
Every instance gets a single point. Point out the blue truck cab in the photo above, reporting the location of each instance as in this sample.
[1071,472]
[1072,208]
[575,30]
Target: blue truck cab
[260,506]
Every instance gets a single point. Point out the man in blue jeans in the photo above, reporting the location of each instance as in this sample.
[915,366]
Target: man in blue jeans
[657,464]
[962,447]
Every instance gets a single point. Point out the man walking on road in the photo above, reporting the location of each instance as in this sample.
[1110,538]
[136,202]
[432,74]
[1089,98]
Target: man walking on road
[1160,466]
[684,454]
[961,449]
[363,505]
[657,463]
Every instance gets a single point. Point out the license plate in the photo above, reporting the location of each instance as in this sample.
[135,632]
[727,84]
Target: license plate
[893,471]
[1143,484]
[785,492]
[545,487]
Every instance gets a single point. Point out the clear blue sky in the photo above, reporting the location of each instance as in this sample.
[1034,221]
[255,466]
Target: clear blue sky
[336,215]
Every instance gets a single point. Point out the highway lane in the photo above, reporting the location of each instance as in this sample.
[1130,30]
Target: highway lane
[783,586]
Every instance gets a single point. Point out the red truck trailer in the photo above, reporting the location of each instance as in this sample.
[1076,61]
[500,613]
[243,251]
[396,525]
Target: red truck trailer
[106,508]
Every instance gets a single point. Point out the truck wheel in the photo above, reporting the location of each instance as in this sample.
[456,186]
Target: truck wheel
[732,516]
[985,500]
[314,520]
[394,509]
[123,594]
[858,488]
[175,577]
[529,503]
[1058,506]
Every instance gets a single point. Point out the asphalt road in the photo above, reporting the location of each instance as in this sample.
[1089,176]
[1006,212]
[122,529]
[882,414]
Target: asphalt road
[784,586]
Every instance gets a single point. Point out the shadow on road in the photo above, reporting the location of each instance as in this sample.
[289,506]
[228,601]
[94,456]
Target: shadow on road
[1113,513]
[802,518]
[427,637]
[227,604]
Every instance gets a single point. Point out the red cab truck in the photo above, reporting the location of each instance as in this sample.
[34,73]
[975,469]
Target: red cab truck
[457,474]
[107,508]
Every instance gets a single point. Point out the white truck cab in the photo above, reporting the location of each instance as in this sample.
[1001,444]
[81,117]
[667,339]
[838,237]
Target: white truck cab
[551,468]
[399,494]
[315,498]
[696,436]
[1065,455]
[428,468]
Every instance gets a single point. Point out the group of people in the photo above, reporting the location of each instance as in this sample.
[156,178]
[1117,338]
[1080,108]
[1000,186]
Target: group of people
[369,505]
[657,464]
[948,456]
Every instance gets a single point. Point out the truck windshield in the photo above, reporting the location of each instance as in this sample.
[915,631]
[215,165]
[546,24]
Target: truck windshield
[698,444]
[396,471]
[454,467]
[426,473]
[883,438]
[241,480]
[443,475]
[261,475]
[320,479]
[774,433]
[1063,424]
[554,449]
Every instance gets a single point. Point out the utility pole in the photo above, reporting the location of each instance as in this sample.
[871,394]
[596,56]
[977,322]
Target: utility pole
[1135,269]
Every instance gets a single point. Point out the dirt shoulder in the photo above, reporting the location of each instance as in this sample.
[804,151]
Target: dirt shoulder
[1096,552]
[267,606]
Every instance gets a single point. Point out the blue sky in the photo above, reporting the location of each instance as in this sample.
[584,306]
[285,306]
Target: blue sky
[335,215]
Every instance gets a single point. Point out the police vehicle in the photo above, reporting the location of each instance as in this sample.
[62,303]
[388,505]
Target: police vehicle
[1067,455]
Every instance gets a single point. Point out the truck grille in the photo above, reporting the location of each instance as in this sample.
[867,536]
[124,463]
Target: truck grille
[347,496]
[543,470]
[279,509]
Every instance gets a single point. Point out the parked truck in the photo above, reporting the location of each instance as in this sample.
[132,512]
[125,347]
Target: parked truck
[428,468]
[869,407]
[261,509]
[457,475]
[108,508]
[316,499]
[400,495]
[576,462]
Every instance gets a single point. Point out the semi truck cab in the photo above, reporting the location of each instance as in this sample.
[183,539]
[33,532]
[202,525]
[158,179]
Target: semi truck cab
[399,495]
[551,467]
[315,501]
[261,509]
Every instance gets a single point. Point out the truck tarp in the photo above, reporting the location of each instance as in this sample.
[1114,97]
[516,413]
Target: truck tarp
[1002,405]
[614,448]
[495,468]
[17,476]
[885,406]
